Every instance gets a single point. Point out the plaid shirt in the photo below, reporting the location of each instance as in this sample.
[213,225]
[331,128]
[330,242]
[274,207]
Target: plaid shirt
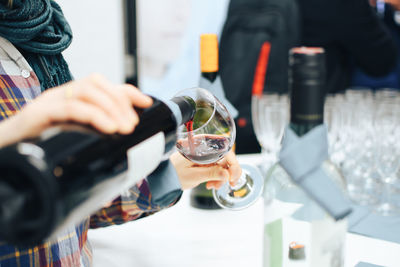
[19,85]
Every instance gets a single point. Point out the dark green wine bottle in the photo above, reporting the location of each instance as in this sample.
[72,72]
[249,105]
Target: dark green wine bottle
[200,196]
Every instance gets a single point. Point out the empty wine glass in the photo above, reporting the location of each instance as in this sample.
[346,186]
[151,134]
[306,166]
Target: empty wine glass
[207,138]
[269,114]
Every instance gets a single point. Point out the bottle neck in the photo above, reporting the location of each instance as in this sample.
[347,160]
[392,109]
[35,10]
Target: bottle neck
[306,108]
[302,128]
[184,108]
[307,83]
[210,76]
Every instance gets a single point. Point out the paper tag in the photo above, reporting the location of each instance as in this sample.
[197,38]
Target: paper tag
[328,243]
[143,159]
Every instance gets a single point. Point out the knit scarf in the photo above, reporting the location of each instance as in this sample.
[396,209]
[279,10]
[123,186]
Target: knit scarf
[39,30]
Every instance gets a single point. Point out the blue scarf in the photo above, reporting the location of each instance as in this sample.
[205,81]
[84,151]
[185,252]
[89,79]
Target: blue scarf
[39,30]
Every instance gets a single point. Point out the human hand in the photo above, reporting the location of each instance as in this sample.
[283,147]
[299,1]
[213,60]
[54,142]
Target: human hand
[217,174]
[394,3]
[93,100]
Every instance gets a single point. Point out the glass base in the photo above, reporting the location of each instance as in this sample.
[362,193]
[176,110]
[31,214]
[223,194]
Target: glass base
[245,193]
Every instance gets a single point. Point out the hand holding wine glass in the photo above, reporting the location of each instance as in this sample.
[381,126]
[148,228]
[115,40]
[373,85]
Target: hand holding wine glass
[191,174]
[207,138]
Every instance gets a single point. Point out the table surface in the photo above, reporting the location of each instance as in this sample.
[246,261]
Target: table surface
[185,236]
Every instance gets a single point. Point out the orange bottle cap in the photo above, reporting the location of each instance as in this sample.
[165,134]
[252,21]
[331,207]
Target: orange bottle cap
[209,53]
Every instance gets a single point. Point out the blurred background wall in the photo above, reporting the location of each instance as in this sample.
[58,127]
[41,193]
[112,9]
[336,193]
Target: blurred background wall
[99,40]
[169,41]
[98,44]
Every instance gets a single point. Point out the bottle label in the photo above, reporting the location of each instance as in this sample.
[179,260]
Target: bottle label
[324,242]
[273,247]
[305,223]
[143,159]
[328,240]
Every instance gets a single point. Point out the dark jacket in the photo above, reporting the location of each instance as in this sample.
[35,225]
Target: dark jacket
[351,33]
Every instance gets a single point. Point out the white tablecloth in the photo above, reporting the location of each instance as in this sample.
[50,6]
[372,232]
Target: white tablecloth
[183,236]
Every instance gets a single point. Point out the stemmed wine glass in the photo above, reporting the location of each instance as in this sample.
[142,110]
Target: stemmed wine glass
[207,138]
[269,114]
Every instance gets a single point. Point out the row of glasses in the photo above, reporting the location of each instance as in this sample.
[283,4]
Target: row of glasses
[363,127]
[349,118]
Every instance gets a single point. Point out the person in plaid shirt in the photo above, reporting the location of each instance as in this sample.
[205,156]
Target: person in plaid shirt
[33,33]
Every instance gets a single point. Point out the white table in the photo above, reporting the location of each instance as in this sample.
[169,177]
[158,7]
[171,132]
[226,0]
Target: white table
[183,236]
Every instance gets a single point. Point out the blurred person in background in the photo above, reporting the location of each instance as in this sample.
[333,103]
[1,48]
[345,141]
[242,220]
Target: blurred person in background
[349,31]
[388,12]
[160,41]
[37,92]
[352,35]
[394,3]
[169,47]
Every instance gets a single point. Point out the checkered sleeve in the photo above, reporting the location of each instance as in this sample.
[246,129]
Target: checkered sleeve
[134,204]
[16,89]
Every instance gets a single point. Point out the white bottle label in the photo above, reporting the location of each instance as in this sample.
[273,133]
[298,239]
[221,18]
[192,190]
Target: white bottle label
[328,241]
[143,159]
[323,238]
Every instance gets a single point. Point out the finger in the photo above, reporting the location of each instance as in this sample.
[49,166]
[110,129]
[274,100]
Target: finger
[84,113]
[214,184]
[137,98]
[231,163]
[102,100]
[392,2]
[213,173]
[123,93]
[116,93]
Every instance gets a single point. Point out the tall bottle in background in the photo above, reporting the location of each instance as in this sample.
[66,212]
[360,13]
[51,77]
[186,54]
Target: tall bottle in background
[297,231]
[200,196]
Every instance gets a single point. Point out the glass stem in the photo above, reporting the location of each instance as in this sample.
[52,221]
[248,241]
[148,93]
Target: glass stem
[269,158]
[240,182]
[386,193]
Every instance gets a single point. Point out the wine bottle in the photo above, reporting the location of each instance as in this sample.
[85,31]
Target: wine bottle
[292,216]
[69,172]
[200,196]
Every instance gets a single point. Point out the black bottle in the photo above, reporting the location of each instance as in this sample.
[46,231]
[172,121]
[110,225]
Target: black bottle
[68,173]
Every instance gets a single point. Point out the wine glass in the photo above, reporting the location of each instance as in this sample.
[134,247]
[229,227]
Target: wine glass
[269,114]
[207,138]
